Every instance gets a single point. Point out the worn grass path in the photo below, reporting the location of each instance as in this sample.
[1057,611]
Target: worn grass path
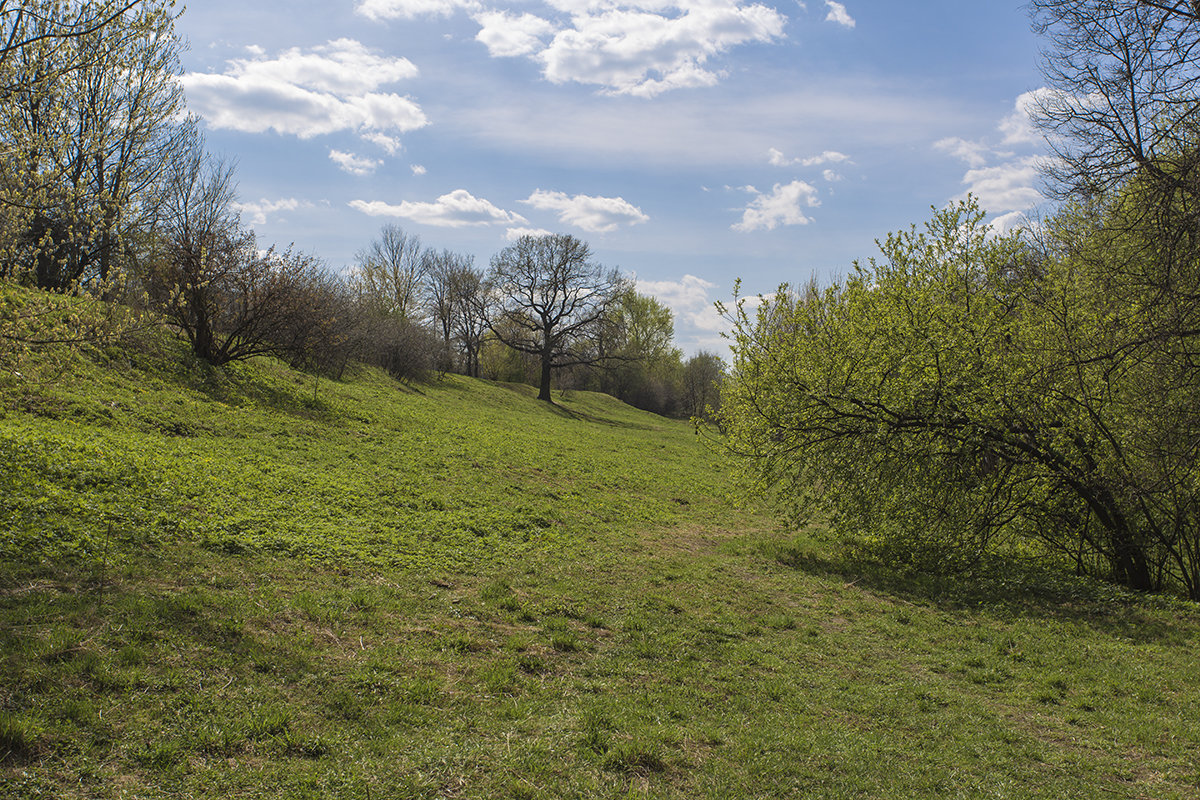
[215,585]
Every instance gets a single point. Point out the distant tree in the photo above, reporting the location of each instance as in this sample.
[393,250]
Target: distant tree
[469,318]
[324,331]
[391,272]
[454,287]
[550,300]
[641,365]
[701,384]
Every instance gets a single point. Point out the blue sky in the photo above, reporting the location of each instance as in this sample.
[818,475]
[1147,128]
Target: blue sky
[690,142]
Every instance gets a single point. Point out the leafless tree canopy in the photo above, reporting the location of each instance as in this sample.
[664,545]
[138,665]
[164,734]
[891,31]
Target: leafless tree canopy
[390,273]
[1123,77]
[551,301]
[454,288]
[209,277]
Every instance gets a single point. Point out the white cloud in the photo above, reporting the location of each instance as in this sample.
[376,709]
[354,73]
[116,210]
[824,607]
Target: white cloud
[1006,187]
[778,159]
[783,206]
[507,34]
[685,297]
[328,89]
[1007,222]
[355,165]
[417,169]
[389,144]
[409,9]
[837,13]
[974,153]
[1018,127]
[828,157]
[454,210]
[647,47]
[260,210]
[1001,177]
[636,47]
[592,214]
[832,176]
[512,234]
[698,324]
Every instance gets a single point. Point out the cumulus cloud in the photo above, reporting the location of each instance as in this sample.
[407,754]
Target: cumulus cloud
[259,211]
[512,234]
[636,47]
[1000,176]
[454,210]
[389,144]
[778,159]
[328,89]
[974,153]
[783,206]
[507,34]
[837,13]
[1006,187]
[1018,127]
[698,324]
[592,214]
[355,165]
[417,169]
[685,297]
[647,47]
[410,9]
[828,157]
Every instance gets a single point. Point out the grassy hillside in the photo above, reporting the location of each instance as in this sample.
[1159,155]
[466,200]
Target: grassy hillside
[246,583]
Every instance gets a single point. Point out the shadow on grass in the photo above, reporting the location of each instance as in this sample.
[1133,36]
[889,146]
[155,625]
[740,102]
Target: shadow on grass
[1005,588]
[566,395]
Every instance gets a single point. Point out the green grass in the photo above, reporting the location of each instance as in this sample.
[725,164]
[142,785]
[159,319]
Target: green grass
[215,585]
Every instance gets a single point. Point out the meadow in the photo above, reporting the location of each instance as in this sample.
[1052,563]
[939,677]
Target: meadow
[248,582]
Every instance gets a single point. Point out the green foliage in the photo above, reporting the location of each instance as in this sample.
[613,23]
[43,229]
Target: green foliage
[966,393]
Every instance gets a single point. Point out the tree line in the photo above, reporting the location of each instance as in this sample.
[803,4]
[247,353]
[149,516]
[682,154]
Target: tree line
[1036,393]
[108,195]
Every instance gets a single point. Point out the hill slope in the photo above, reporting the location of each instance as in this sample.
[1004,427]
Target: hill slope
[247,583]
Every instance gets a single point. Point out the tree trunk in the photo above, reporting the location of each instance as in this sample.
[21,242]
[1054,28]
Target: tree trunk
[544,386]
[547,360]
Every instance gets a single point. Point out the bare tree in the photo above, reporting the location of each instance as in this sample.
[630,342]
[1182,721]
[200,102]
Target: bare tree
[701,384]
[469,320]
[391,272]
[454,288]
[230,299]
[1123,76]
[551,300]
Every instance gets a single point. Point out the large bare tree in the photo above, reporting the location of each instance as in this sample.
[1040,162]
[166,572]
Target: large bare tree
[1123,99]
[552,301]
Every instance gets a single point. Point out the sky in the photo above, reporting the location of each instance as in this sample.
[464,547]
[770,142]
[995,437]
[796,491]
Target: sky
[691,143]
